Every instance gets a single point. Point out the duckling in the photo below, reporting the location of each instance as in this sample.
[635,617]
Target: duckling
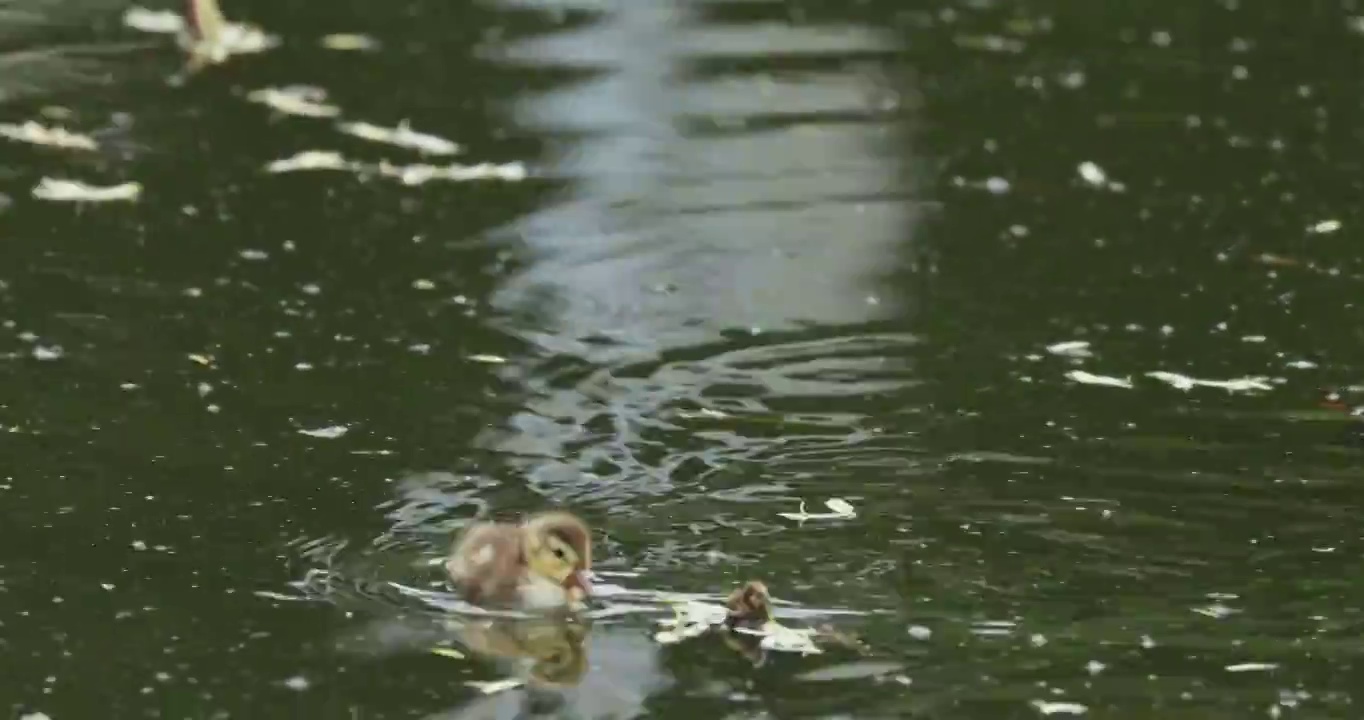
[540,564]
[750,605]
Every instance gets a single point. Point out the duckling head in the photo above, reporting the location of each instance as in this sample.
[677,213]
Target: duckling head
[559,548]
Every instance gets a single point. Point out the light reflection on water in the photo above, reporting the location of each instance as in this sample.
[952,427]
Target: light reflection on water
[682,233]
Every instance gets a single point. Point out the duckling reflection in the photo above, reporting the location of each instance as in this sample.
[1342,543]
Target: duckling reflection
[551,652]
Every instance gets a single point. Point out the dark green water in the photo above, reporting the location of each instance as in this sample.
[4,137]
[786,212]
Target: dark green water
[766,252]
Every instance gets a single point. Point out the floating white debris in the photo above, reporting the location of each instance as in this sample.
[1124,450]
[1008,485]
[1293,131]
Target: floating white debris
[1071,348]
[779,638]
[32,132]
[1059,708]
[919,632]
[348,41]
[1216,611]
[1252,667]
[448,652]
[402,136]
[418,174]
[1092,174]
[310,160]
[329,433]
[1324,227]
[221,39]
[301,100]
[75,190]
[488,359]
[153,21]
[495,686]
[1184,382]
[690,619]
[48,353]
[840,510]
[1087,378]
[35,716]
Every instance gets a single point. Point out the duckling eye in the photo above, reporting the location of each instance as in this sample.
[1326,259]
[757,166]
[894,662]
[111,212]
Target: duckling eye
[559,553]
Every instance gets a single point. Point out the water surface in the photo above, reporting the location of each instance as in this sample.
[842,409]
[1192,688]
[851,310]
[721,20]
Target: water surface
[763,253]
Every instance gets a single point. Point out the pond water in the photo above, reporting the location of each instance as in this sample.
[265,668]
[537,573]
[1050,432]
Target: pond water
[1049,292]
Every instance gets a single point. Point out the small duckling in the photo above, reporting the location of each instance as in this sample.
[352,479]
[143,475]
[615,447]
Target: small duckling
[750,606]
[540,564]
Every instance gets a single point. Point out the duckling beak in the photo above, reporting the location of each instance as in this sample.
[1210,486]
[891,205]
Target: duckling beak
[579,586]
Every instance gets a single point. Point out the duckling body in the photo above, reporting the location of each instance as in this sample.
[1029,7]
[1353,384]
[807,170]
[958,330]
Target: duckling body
[539,564]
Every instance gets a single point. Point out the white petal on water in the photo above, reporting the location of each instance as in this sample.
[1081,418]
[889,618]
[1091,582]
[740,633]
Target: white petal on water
[1324,227]
[779,638]
[37,134]
[667,637]
[402,136]
[310,160]
[348,41]
[1217,611]
[1184,382]
[233,38]
[75,190]
[1087,378]
[840,506]
[329,433]
[1071,348]
[300,100]
[153,21]
[495,686]
[1092,173]
[1252,667]
[1059,708]
[420,174]
[842,510]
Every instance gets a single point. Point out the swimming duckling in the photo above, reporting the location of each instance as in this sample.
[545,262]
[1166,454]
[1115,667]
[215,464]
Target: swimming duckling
[750,606]
[540,564]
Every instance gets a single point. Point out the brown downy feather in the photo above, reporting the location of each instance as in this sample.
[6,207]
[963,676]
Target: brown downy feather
[487,562]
